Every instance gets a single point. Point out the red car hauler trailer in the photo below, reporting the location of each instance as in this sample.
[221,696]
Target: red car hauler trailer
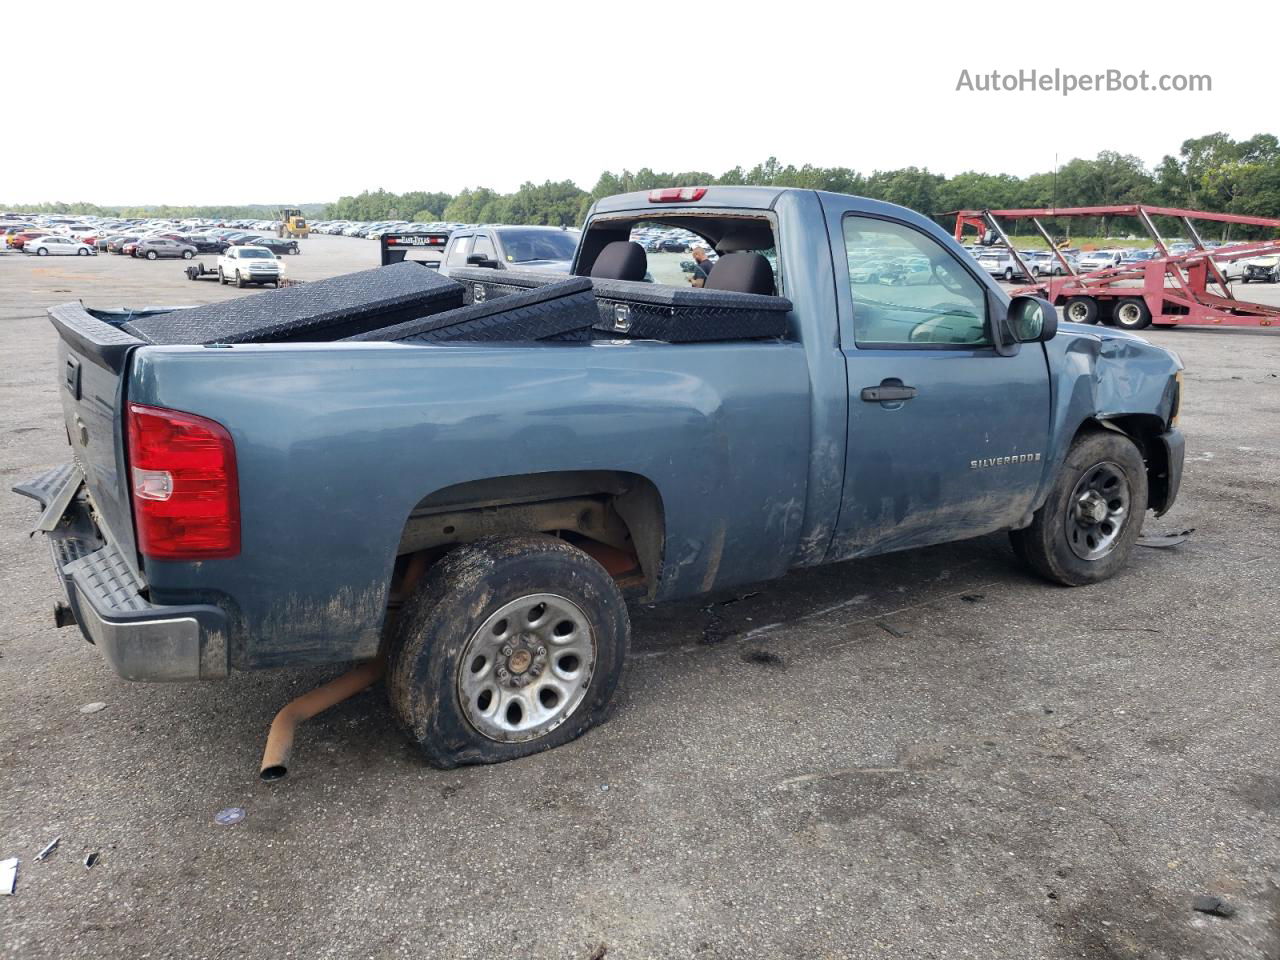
[1168,289]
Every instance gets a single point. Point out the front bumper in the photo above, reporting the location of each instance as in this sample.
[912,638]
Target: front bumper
[1163,494]
[141,640]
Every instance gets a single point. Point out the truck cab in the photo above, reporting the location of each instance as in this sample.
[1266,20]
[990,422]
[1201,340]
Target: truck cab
[511,248]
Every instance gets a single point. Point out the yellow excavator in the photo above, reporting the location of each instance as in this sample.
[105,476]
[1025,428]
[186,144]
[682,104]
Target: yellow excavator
[292,224]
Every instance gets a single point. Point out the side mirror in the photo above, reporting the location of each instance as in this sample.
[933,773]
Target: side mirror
[480,260]
[1032,319]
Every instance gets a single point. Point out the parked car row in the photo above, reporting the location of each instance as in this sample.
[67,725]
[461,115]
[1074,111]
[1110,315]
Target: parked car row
[49,235]
[1000,263]
[371,230]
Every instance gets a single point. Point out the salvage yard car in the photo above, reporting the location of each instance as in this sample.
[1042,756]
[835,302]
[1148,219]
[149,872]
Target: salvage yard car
[157,248]
[249,264]
[252,485]
[51,246]
[1261,270]
[515,248]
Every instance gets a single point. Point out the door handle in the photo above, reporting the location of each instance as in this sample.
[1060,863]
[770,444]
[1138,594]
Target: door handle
[888,392]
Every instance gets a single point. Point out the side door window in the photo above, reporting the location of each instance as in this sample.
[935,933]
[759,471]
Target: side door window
[910,291]
[483,248]
[458,249]
[456,254]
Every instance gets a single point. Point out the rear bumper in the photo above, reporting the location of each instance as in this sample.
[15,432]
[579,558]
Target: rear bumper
[141,640]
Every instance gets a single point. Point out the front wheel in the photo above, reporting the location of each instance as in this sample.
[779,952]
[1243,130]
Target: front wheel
[509,646]
[239,280]
[151,255]
[1087,526]
[1008,274]
[82,253]
[187,254]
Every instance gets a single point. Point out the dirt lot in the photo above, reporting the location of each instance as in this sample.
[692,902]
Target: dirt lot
[926,755]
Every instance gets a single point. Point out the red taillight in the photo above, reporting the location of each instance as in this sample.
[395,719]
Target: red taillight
[186,497]
[677,194]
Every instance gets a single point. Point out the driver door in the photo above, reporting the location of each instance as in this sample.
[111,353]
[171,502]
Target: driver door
[946,436]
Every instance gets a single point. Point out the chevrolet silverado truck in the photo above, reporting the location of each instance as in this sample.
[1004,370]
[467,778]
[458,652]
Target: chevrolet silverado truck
[246,492]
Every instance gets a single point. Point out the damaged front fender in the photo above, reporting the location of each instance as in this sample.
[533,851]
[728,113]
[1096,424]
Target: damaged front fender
[1121,382]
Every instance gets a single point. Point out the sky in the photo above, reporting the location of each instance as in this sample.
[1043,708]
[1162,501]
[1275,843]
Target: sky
[235,103]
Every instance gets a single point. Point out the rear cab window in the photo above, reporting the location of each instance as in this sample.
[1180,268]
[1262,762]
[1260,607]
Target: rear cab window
[669,242]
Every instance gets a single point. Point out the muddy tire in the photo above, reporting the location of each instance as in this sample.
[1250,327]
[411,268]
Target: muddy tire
[509,646]
[1087,526]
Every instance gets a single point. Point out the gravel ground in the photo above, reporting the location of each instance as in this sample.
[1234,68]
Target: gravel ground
[926,755]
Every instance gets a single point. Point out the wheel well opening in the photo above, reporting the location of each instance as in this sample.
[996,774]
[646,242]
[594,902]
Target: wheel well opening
[1144,429]
[615,517]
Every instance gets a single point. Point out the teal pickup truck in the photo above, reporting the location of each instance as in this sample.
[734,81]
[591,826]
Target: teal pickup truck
[476,508]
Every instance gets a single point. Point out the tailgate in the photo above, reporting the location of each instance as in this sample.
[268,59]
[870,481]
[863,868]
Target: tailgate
[92,357]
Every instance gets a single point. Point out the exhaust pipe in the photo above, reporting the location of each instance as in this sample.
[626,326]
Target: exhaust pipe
[275,758]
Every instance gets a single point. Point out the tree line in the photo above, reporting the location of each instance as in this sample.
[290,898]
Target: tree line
[252,211]
[1213,173]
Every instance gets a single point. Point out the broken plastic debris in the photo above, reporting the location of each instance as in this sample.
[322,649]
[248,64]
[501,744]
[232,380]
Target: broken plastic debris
[229,816]
[91,859]
[1214,906]
[1166,540]
[49,848]
[93,707]
[8,875]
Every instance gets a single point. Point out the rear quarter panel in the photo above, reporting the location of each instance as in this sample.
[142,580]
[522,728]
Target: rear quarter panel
[337,443]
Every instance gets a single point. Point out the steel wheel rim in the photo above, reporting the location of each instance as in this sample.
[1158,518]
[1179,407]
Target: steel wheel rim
[527,668]
[1129,313]
[1097,511]
[1078,312]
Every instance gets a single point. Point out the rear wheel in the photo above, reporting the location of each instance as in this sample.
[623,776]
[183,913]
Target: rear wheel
[1008,274]
[222,277]
[1132,313]
[41,252]
[509,646]
[1087,526]
[1082,310]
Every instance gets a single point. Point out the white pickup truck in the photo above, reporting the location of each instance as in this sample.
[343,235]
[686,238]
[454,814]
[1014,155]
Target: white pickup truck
[249,264]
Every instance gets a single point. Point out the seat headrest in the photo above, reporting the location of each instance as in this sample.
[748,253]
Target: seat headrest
[742,273]
[621,260]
